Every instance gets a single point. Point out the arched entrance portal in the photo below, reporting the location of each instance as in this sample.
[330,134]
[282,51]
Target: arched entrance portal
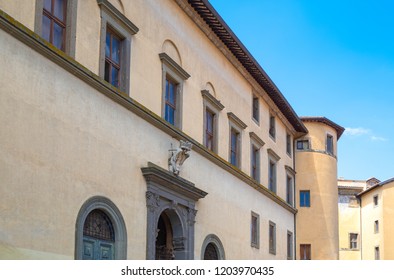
[170,237]
[98,237]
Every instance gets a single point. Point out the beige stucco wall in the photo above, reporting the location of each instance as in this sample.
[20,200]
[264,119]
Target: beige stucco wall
[370,214]
[384,214]
[62,142]
[316,171]
[200,58]
[388,220]
[21,10]
[349,222]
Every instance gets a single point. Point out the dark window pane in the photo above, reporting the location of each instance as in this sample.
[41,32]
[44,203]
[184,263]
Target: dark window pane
[107,71]
[171,97]
[48,5]
[115,55]
[46,28]
[108,45]
[209,122]
[58,36]
[170,114]
[59,9]
[115,77]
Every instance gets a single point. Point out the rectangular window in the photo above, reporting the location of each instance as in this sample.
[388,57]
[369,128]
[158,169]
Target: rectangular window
[272,238]
[377,253]
[170,101]
[112,58]
[376,226]
[255,109]
[234,149]
[353,237]
[289,190]
[375,200]
[116,32]
[289,245]
[272,130]
[209,129]
[212,108]
[302,144]
[305,252]
[255,163]
[288,144]
[330,145]
[305,199]
[254,230]
[272,176]
[54,22]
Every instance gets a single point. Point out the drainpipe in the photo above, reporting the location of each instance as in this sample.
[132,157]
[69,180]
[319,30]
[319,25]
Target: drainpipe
[294,203]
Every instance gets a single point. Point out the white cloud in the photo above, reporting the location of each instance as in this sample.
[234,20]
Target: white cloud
[356,131]
[360,131]
[377,138]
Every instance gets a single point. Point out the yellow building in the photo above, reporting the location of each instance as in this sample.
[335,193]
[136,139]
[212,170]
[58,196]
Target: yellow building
[316,189]
[144,129]
[365,219]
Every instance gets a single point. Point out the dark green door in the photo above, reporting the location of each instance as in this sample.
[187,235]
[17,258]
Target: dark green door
[95,249]
[98,237]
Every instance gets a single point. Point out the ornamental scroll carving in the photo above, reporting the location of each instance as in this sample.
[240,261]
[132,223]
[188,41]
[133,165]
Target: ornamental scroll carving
[152,200]
[179,156]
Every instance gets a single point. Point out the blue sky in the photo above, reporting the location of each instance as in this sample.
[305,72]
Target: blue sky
[329,58]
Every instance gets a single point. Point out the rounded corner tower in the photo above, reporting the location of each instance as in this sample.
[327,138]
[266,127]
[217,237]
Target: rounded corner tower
[317,191]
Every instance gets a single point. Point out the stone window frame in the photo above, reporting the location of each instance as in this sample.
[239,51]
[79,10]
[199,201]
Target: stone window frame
[309,202]
[272,126]
[256,113]
[273,160]
[113,19]
[377,252]
[235,124]
[255,230]
[173,71]
[351,234]
[272,236]
[109,208]
[376,226]
[215,106]
[289,146]
[376,200]
[213,239]
[289,245]
[290,173]
[304,140]
[165,191]
[330,136]
[256,143]
[71,26]
[306,246]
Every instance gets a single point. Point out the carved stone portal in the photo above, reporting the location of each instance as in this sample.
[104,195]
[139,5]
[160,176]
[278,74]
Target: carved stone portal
[179,156]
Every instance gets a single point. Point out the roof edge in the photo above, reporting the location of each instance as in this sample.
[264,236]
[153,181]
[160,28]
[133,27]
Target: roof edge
[339,129]
[216,23]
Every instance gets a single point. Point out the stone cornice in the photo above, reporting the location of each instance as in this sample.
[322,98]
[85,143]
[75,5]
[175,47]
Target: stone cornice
[104,4]
[232,117]
[31,39]
[156,174]
[165,58]
[256,139]
[212,100]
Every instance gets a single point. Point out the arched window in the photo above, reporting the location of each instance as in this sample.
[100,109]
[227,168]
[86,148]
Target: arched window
[100,231]
[212,248]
